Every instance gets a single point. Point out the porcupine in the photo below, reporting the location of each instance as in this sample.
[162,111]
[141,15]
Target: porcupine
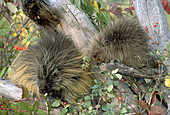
[53,66]
[124,41]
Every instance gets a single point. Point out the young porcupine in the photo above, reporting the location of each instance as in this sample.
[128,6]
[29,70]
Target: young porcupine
[53,66]
[124,41]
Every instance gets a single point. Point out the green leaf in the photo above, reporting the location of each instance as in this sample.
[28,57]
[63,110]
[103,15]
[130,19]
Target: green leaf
[105,113]
[87,103]
[99,5]
[1,1]
[110,95]
[119,76]
[109,113]
[9,70]
[104,107]
[24,106]
[13,106]
[107,16]
[56,103]
[35,107]
[104,10]
[25,92]
[110,88]
[124,110]
[72,110]
[116,83]
[64,111]
[103,18]
[109,82]
[78,4]
[95,87]
[94,112]
[3,112]
[98,16]
[115,71]
[12,7]
[48,104]
[89,9]
[4,102]
[40,112]
[87,98]
[109,106]
[3,72]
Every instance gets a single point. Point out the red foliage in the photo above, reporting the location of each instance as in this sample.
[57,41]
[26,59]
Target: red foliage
[165,6]
[132,8]
[153,99]
[156,110]
[129,10]
[117,11]
[142,104]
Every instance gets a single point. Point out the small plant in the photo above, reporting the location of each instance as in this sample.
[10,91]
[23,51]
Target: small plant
[16,33]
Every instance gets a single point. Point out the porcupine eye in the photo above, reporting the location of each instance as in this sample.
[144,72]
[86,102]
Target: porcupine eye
[76,78]
[97,58]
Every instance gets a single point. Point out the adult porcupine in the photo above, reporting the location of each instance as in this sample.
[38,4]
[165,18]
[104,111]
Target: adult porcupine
[124,41]
[53,66]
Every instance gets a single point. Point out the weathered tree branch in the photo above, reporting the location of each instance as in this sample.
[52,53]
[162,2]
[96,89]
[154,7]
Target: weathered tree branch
[125,70]
[61,15]
[10,91]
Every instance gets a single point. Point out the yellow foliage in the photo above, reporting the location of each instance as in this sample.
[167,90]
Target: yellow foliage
[18,16]
[31,29]
[23,41]
[24,32]
[28,42]
[14,34]
[95,4]
[167,81]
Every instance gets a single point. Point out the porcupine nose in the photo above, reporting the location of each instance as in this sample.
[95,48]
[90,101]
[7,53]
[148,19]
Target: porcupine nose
[43,87]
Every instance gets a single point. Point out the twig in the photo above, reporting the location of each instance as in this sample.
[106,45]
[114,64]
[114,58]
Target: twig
[98,103]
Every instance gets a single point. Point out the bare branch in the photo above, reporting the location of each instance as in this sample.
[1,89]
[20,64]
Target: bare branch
[10,90]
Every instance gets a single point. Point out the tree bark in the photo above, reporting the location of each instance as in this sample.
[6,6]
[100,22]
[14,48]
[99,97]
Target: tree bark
[61,15]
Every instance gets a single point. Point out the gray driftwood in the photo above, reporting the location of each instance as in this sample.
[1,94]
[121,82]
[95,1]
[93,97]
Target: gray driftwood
[10,91]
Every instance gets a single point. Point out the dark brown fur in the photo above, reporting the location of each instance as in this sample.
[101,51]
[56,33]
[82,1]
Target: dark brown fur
[53,66]
[125,41]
